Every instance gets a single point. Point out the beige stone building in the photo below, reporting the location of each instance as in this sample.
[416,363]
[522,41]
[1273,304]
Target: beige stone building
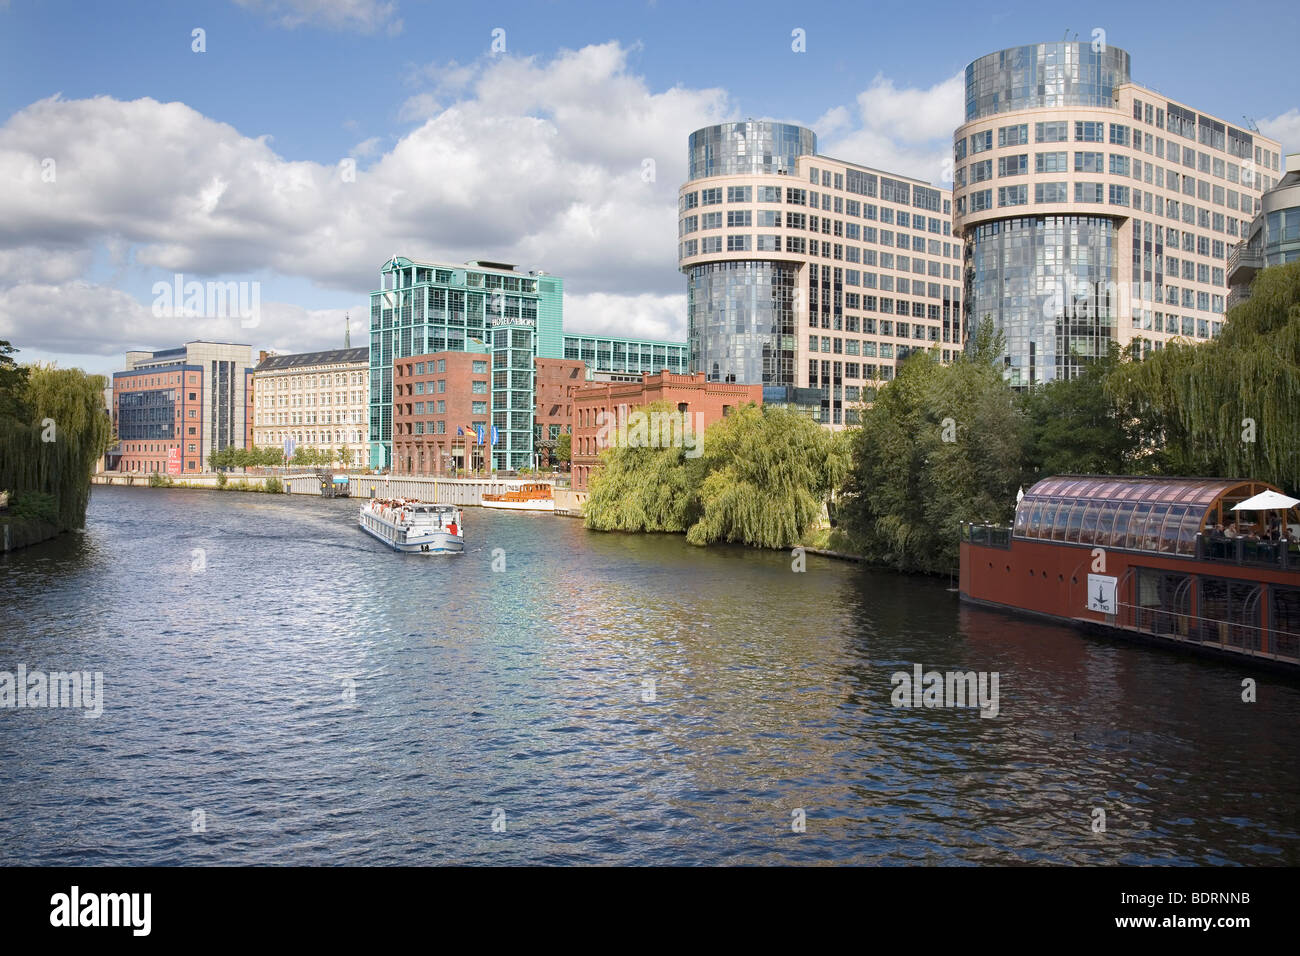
[1094,210]
[318,399]
[808,275]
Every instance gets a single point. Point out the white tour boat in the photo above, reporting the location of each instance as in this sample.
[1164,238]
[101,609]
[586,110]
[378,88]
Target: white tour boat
[415,526]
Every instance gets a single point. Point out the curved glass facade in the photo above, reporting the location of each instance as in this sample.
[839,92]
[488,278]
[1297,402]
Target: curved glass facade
[754,146]
[741,323]
[1282,236]
[1048,283]
[1066,73]
[1163,515]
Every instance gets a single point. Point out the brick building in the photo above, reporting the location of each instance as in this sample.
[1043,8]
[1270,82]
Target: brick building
[555,382]
[440,401]
[598,405]
[173,407]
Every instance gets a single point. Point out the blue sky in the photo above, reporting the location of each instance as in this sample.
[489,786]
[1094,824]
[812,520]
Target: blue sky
[545,138]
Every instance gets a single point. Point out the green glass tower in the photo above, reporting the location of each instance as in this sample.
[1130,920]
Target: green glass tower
[424,307]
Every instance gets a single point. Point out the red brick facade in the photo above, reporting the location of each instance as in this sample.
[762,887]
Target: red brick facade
[179,391]
[686,393]
[433,396]
[555,382]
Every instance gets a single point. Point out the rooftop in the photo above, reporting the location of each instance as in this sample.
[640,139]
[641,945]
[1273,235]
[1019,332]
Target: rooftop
[328,357]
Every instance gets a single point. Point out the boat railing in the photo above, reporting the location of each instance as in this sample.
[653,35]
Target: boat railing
[1240,636]
[991,536]
[1283,554]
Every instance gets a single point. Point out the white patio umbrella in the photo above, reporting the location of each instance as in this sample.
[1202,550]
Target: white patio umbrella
[1269,501]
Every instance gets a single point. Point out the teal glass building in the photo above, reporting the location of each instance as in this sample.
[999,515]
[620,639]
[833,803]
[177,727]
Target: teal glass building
[424,307]
[480,306]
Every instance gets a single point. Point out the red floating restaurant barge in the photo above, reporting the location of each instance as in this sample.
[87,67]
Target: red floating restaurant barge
[1153,558]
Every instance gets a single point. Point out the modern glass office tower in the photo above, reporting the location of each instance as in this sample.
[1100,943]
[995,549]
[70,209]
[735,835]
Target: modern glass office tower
[1274,235]
[1093,210]
[806,272]
[428,307]
[424,307]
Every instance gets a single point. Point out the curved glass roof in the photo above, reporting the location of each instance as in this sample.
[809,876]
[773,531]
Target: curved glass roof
[1161,515]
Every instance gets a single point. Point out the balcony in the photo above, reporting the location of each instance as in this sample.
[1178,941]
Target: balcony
[1243,262]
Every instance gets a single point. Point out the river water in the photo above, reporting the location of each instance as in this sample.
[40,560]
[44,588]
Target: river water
[279,688]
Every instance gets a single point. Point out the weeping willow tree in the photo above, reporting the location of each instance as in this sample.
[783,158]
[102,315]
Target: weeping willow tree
[768,474]
[1229,407]
[942,444]
[644,488]
[49,446]
[760,478]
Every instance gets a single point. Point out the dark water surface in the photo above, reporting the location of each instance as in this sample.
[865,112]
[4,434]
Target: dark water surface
[519,693]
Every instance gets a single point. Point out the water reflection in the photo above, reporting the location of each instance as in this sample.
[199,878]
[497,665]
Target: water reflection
[618,698]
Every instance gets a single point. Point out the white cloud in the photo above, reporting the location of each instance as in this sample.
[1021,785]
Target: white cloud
[1285,128]
[901,130]
[569,164]
[639,316]
[366,16]
[84,318]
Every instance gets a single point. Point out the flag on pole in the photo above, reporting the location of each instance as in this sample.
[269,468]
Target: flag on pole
[460,431]
[480,434]
[495,438]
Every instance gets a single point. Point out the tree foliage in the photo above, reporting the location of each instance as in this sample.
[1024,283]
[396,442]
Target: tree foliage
[641,488]
[54,431]
[942,444]
[1229,407]
[1074,426]
[761,479]
[768,473]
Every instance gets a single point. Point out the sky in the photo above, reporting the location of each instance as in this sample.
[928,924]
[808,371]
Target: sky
[296,145]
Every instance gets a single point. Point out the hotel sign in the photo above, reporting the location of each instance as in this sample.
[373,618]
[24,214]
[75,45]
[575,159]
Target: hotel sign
[1101,594]
[506,320]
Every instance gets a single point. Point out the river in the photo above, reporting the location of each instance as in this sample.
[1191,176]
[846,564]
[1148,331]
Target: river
[278,688]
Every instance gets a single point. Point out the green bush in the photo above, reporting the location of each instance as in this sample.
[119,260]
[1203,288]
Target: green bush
[35,504]
[221,479]
[160,481]
[273,486]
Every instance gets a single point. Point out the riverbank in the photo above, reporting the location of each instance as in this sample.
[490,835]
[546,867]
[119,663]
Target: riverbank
[462,492]
[18,532]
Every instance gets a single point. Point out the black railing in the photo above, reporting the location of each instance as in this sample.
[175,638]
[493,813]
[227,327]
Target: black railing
[990,536]
[1283,554]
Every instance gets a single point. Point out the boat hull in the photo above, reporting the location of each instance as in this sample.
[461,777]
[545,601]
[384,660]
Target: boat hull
[539,504]
[436,542]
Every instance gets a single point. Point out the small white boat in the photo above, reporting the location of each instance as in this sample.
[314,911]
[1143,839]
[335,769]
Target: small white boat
[414,526]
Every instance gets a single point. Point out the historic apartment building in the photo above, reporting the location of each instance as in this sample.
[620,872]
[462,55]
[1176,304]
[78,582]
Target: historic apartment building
[317,400]
[1093,210]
